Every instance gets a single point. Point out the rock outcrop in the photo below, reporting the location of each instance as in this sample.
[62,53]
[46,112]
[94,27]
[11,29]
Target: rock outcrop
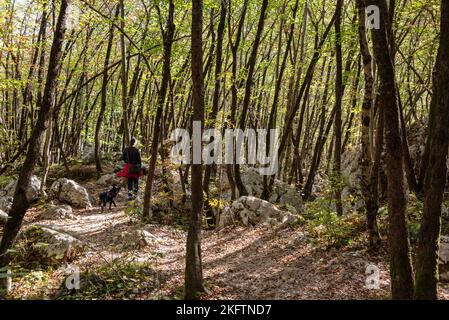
[32,192]
[5,203]
[70,192]
[250,211]
[283,193]
[58,212]
[52,244]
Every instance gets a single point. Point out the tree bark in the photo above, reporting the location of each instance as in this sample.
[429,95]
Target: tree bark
[435,182]
[400,264]
[168,41]
[104,87]
[248,89]
[21,203]
[366,157]
[216,98]
[124,77]
[194,271]
[338,99]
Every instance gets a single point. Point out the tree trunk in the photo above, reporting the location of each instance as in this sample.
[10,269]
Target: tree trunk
[104,87]
[435,182]
[366,157]
[338,98]
[21,203]
[400,265]
[234,87]
[168,40]
[248,90]
[216,99]
[193,271]
[124,77]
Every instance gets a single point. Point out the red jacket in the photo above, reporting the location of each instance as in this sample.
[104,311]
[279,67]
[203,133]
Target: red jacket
[126,174]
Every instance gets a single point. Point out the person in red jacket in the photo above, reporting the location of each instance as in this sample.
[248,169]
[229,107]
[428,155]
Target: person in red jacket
[132,169]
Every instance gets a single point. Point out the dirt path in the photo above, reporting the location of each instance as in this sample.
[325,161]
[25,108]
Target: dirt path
[238,263]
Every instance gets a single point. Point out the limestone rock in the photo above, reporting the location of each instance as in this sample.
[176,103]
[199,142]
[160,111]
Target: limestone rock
[32,193]
[6,203]
[68,191]
[59,212]
[283,193]
[59,245]
[252,211]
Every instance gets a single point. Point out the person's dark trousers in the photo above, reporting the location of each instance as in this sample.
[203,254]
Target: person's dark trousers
[133,186]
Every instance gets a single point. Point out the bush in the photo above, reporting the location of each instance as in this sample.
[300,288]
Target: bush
[119,280]
[330,229]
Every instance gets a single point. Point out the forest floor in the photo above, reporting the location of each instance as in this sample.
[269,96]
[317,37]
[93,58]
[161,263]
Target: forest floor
[238,263]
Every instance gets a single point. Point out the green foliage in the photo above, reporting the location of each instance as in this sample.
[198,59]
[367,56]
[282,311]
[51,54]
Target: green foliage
[120,280]
[330,229]
[134,209]
[5,180]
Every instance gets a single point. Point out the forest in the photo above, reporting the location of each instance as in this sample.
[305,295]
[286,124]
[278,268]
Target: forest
[224,149]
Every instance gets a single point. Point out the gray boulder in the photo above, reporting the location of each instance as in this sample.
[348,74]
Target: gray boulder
[68,191]
[52,244]
[252,211]
[6,203]
[32,193]
[286,195]
[253,181]
[283,193]
[138,238]
[61,246]
[146,238]
[59,212]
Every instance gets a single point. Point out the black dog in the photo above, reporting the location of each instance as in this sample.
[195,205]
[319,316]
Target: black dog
[108,197]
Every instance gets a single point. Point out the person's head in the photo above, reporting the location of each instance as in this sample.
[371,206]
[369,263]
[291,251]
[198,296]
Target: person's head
[133,142]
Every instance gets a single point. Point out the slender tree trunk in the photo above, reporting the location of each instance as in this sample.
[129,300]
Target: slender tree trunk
[104,87]
[435,182]
[216,99]
[400,265]
[168,40]
[338,98]
[124,77]
[365,158]
[231,123]
[46,158]
[21,203]
[194,271]
[277,91]
[248,89]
